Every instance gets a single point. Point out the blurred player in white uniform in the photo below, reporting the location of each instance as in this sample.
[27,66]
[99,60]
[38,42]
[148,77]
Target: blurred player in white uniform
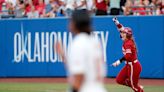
[84,60]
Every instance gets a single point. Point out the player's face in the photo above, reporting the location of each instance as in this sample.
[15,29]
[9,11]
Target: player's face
[123,36]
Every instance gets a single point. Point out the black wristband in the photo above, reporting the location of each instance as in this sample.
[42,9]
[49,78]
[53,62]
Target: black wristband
[122,59]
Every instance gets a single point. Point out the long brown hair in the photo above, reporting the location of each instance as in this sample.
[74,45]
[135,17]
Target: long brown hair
[82,21]
[130,37]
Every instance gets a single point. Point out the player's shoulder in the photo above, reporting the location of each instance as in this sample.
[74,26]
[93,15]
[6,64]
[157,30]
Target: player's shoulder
[85,40]
[80,40]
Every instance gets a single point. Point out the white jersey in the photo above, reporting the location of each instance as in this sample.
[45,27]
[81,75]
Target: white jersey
[85,56]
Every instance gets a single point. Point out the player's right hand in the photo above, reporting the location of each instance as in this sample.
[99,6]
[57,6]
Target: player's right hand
[115,20]
[116,63]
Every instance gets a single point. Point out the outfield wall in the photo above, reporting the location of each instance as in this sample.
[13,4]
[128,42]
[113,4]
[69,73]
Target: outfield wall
[26,46]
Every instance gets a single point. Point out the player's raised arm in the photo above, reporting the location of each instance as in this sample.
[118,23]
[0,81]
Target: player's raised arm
[120,27]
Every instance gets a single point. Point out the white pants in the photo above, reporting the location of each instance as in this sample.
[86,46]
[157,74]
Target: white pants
[93,87]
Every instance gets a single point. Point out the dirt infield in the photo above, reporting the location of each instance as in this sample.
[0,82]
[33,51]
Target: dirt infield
[159,82]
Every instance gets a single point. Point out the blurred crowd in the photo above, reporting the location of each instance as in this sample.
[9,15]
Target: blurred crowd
[61,8]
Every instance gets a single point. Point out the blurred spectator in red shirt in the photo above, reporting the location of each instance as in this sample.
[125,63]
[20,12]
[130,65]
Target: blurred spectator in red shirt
[101,7]
[141,11]
[28,5]
[35,2]
[162,7]
[140,8]
[1,2]
[40,7]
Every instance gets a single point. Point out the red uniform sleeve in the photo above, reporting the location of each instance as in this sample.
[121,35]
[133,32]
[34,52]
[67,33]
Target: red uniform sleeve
[128,52]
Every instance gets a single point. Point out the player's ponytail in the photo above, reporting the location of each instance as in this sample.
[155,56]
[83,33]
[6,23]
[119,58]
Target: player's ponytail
[135,45]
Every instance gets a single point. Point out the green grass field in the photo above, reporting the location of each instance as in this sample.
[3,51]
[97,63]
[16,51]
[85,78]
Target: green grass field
[61,87]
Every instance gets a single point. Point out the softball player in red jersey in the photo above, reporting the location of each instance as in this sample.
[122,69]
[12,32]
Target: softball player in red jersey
[129,75]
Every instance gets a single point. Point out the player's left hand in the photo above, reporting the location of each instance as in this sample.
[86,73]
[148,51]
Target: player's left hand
[117,63]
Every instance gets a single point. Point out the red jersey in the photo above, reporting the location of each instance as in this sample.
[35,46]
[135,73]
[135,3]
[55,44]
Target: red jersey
[101,5]
[35,2]
[27,9]
[1,2]
[142,11]
[129,50]
[40,8]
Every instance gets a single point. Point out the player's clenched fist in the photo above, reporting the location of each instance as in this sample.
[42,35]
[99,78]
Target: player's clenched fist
[115,20]
[116,63]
